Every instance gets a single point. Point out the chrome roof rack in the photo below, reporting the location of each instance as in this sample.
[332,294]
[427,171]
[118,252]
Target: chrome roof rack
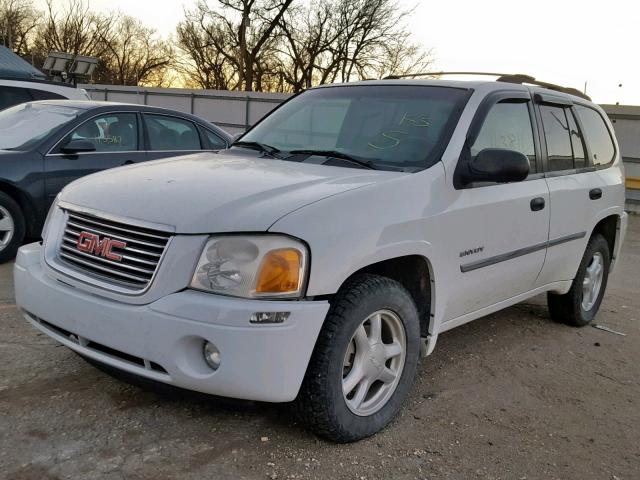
[518,78]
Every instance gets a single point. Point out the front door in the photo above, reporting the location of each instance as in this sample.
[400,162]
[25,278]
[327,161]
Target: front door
[116,137]
[498,232]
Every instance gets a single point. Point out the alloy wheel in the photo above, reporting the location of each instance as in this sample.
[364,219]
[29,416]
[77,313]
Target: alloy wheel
[592,281]
[7,228]
[373,362]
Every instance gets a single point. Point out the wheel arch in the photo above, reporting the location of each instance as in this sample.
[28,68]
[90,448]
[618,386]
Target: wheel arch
[609,227]
[26,205]
[416,274]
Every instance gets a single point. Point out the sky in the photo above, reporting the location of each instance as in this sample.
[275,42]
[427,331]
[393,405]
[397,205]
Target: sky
[568,42]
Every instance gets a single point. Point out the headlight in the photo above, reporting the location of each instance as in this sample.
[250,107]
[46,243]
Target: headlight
[252,266]
[52,209]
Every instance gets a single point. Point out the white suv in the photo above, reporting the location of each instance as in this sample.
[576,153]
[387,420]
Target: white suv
[14,92]
[321,255]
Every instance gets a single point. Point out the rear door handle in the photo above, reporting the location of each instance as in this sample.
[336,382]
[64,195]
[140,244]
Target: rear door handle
[537,204]
[595,193]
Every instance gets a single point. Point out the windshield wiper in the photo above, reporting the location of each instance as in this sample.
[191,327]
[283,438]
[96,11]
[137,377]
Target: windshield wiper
[261,147]
[338,155]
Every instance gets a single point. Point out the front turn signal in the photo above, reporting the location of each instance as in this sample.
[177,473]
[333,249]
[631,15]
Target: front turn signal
[280,272]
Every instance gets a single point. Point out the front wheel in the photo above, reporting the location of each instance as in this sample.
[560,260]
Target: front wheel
[579,306]
[12,227]
[364,361]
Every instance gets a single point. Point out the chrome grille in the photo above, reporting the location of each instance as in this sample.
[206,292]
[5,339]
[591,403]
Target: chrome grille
[139,258]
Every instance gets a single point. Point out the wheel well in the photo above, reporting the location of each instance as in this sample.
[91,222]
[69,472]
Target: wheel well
[26,206]
[608,227]
[413,272]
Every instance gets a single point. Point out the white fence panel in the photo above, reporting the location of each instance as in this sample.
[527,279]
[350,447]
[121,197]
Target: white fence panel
[233,111]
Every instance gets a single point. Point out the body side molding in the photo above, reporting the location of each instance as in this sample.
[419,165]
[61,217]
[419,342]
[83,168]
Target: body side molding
[503,257]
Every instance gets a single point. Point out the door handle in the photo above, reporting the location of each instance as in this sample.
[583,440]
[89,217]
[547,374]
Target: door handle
[537,204]
[595,193]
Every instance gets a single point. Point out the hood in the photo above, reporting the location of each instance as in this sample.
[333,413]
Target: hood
[209,193]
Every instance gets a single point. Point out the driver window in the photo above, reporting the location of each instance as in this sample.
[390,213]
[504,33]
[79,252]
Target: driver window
[508,125]
[113,132]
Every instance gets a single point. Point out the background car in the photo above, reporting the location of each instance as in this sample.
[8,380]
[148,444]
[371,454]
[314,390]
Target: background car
[15,92]
[20,82]
[45,145]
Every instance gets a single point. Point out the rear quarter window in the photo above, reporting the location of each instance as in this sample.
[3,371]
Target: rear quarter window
[10,96]
[44,95]
[597,135]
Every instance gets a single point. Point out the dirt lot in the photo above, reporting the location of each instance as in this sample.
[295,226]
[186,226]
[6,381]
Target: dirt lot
[511,396]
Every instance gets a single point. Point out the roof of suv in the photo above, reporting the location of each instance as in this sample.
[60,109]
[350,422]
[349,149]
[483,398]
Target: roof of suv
[484,85]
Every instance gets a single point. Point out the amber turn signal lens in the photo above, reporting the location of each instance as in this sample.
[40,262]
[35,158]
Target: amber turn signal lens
[279,272]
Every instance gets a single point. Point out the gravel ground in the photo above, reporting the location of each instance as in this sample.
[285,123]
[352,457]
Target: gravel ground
[510,396]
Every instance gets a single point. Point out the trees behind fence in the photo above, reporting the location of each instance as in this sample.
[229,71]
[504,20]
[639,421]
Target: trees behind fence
[281,45]
[251,45]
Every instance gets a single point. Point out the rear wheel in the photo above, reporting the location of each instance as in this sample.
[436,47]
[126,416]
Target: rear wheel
[580,305]
[12,227]
[364,362]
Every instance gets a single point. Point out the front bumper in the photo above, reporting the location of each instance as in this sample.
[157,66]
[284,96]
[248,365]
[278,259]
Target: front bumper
[163,340]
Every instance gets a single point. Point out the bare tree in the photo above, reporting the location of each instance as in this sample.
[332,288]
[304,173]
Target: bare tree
[343,40]
[75,29]
[240,32]
[18,21]
[375,38]
[134,55]
[309,36]
[204,62]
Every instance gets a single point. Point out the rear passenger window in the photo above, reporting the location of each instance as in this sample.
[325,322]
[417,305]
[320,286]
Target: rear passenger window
[44,95]
[508,125]
[597,135]
[171,133]
[10,96]
[556,132]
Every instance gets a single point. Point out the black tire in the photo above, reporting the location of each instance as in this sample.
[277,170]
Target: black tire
[568,308]
[10,207]
[320,403]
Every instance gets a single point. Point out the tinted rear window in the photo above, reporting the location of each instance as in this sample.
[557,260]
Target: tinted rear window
[44,95]
[597,135]
[10,96]
[556,132]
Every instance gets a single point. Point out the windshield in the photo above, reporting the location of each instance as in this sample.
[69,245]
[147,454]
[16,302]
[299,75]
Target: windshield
[384,126]
[23,126]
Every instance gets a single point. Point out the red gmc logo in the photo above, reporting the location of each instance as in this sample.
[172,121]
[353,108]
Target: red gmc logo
[92,243]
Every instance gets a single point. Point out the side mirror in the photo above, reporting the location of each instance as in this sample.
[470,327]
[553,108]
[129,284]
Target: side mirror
[78,146]
[236,137]
[498,165]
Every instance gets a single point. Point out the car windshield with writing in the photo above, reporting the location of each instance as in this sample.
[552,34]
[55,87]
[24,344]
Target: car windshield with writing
[23,126]
[383,127]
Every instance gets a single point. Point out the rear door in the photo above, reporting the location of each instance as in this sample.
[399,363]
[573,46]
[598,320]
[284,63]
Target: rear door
[576,146]
[116,137]
[497,232]
[171,136]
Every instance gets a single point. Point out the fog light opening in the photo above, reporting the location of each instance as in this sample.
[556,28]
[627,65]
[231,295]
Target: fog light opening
[269,317]
[211,355]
